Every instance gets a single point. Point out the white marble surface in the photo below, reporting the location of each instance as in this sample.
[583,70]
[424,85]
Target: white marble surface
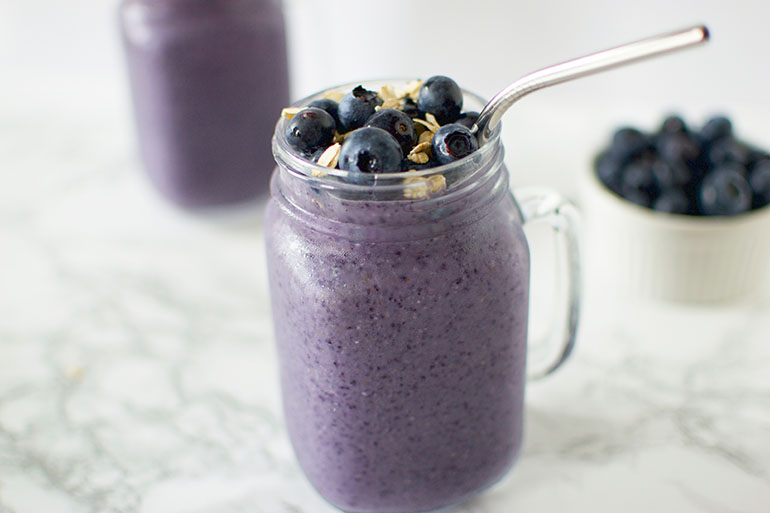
[137,371]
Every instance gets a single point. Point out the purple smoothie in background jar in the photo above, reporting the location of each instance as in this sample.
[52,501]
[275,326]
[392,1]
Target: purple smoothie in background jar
[208,80]
[400,313]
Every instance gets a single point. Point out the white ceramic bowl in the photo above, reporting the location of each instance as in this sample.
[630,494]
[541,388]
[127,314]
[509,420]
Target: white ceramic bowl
[638,252]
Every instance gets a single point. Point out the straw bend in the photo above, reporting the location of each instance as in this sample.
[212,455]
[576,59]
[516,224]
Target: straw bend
[583,66]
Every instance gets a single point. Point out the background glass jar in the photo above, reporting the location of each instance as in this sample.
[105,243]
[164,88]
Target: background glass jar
[400,306]
[208,80]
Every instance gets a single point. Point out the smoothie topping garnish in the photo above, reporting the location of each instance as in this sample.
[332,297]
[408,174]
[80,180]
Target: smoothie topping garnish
[289,112]
[421,188]
[334,95]
[388,92]
[414,127]
[318,174]
[330,157]
[412,89]
[429,122]
[419,157]
[420,153]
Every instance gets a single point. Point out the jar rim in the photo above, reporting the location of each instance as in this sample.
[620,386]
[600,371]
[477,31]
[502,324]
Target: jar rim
[288,159]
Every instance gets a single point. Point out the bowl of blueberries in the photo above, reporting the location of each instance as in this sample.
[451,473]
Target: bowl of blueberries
[680,213]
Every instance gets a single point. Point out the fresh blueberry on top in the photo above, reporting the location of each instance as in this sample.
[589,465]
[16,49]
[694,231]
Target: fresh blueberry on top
[397,124]
[759,179]
[310,129]
[356,108]
[452,142]
[442,97]
[410,108]
[627,144]
[468,119]
[724,191]
[716,128]
[672,201]
[329,106]
[370,150]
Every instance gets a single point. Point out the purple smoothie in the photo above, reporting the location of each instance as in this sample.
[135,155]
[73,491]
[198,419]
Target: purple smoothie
[401,331]
[208,80]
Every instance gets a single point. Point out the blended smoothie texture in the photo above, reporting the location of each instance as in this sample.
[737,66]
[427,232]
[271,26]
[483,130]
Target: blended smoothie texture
[208,78]
[402,357]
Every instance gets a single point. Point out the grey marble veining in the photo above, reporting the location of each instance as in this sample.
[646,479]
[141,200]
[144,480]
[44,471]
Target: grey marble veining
[137,371]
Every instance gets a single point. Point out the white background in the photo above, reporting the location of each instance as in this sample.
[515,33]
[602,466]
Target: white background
[64,56]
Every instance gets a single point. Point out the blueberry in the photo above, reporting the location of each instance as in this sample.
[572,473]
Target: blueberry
[724,191]
[452,142]
[759,179]
[356,108]
[716,128]
[310,129]
[397,124]
[442,97]
[756,156]
[410,108]
[370,150]
[678,149]
[728,149]
[329,106]
[627,144]
[314,156]
[608,171]
[668,176]
[672,201]
[468,119]
[637,183]
[673,124]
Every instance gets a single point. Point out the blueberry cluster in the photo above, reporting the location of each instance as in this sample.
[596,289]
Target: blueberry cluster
[387,131]
[683,171]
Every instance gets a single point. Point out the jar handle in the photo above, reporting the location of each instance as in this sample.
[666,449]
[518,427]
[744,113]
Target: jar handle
[538,204]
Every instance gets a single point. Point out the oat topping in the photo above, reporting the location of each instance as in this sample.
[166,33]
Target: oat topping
[422,147]
[422,188]
[418,157]
[416,141]
[412,89]
[429,122]
[318,174]
[330,157]
[391,103]
[289,112]
[334,95]
[421,152]
[388,92]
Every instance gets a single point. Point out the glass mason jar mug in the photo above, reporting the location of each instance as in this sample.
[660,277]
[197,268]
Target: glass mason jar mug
[207,79]
[400,307]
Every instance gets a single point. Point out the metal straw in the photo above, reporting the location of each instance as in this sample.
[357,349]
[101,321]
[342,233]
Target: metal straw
[581,67]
